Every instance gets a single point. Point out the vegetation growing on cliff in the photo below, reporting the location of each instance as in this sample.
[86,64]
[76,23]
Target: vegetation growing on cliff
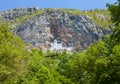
[22,19]
[99,17]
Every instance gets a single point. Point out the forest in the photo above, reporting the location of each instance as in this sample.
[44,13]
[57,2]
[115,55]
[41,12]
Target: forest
[98,64]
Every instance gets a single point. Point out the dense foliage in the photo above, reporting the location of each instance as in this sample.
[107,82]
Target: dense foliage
[12,56]
[99,64]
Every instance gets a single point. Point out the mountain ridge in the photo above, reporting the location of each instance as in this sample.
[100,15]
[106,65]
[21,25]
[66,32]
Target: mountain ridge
[40,27]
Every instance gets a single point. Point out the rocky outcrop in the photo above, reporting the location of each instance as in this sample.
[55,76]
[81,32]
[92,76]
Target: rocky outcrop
[76,31]
[16,13]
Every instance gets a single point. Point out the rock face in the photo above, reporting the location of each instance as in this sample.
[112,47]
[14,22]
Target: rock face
[76,31]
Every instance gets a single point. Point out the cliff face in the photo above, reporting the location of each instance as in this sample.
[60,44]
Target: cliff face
[76,31]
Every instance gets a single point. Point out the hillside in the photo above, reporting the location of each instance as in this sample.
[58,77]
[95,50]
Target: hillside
[69,27]
[28,34]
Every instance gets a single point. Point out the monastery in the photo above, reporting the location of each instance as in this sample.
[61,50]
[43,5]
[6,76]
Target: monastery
[55,46]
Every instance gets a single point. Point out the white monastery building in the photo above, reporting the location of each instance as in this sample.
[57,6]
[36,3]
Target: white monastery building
[55,46]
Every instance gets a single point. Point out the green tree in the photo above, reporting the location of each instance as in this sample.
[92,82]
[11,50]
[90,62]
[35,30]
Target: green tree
[115,18]
[115,12]
[12,56]
[42,70]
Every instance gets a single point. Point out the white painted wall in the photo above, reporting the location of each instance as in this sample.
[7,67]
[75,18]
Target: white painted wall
[58,47]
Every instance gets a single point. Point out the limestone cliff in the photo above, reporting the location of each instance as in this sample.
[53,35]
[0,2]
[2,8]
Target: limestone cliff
[76,31]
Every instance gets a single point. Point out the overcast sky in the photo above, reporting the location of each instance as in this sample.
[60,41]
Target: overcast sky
[74,4]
